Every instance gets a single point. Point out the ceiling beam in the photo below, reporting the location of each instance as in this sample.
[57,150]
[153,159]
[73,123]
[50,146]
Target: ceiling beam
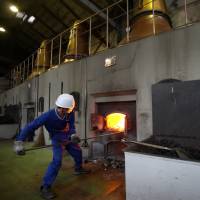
[41,21]
[69,9]
[54,15]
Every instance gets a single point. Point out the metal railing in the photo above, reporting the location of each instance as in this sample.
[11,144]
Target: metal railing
[105,29]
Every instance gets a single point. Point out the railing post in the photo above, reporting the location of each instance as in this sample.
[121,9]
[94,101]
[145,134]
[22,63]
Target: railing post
[32,63]
[51,59]
[153,10]
[44,56]
[60,49]
[107,27]
[14,77]
[24,71]
[28,68]
[20,71]
[16,74]
[186,16]
[127,21]
[90,35]
[37,59]
[76,40]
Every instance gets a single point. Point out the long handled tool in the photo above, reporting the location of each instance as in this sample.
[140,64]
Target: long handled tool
[180,153]
[83,139]
[147,145]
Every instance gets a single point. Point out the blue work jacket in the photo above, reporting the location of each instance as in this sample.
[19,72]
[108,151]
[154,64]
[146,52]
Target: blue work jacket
[60,129]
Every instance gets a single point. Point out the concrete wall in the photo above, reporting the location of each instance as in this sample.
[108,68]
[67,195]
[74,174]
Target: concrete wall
[140,64]
[8,131]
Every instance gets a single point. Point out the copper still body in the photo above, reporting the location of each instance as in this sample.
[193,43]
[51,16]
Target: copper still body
[78,42]
[150,18]
[42,61]
[43,55]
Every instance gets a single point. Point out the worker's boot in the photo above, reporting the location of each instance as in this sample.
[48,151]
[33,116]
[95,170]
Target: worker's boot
[46,193]
[81,171]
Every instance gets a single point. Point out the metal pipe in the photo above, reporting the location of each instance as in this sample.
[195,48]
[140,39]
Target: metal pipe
[85,144]
[37,94]
[147,144]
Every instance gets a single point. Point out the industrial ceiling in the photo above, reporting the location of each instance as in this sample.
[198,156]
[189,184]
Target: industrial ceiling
[51,17]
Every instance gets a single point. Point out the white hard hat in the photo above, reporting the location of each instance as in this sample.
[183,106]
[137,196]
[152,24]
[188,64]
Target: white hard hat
[65,101]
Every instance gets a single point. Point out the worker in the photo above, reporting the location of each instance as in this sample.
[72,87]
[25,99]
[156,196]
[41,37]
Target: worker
[59,122]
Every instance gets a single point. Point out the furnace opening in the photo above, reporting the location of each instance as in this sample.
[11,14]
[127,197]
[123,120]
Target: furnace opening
[115,122]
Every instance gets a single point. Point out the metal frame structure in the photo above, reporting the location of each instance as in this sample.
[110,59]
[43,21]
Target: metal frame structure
[23,69]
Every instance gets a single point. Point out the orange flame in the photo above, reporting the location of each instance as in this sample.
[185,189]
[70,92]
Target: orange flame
[115,122]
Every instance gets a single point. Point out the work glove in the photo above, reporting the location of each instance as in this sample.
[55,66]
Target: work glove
[19,148]
[75,139]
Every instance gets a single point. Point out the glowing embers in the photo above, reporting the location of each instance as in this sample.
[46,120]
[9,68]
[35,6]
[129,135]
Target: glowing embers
[115,122]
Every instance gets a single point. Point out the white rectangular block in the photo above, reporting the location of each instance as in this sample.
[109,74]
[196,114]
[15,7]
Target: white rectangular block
[157,178]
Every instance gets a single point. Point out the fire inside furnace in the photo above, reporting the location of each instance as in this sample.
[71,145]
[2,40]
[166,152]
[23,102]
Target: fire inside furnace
[115,122]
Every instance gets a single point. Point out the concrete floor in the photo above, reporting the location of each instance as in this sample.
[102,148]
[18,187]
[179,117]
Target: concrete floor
[20,178]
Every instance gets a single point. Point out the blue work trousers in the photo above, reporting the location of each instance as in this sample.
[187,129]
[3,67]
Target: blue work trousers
[73,149]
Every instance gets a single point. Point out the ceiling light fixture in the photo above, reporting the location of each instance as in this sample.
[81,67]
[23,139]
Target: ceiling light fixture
[31,19]
[14,9]
[2,29]
[20,15]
